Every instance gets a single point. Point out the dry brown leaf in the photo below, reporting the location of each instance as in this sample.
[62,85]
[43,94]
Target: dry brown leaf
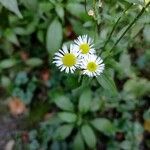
[16,106]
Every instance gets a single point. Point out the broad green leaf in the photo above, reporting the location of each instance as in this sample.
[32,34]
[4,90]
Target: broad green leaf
[78,143]
[107,83]
[64,103]
[89,136]
[7,63]
[12,6]
[54,37]
[85,101]
[63,131]
[103,125]
[77,10]
[67,117]
[34,62]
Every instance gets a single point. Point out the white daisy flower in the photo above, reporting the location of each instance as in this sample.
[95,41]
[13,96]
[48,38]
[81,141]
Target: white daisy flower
[85,45]
[67,60]
[92,65]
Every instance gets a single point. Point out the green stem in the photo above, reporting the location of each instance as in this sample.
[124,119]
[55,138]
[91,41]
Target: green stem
[85,6]
[114,27]
[132,23]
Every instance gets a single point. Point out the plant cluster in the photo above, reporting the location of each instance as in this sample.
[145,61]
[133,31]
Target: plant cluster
[102,99]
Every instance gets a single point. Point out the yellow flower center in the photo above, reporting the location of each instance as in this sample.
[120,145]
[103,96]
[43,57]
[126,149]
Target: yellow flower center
[92,66]
[84,48]
[69,60]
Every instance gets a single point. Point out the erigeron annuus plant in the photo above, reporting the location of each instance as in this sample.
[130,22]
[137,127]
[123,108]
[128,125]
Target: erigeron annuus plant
[80,55]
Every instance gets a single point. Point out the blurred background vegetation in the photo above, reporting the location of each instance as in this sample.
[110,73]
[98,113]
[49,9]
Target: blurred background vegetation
[42,108]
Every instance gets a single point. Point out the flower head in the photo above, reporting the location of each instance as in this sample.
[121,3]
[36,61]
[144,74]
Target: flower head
[67,60]
[91,12]
[92,65]
[85,45]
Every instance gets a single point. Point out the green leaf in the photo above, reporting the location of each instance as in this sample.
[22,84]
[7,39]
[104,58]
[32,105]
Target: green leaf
[89,136]
[12,6]
[103,125]
[139,2]
[21,78]
[7,63]
[67,117]
[78,143]
[64,103]
[60,11]
[63,132]
[146,33]
[54,37]
[125,63]
[11,36]
[34,62]
[85,101]
[107,83]
[5,81]
[32,5]
[137,87]
[85,83]
[77,10]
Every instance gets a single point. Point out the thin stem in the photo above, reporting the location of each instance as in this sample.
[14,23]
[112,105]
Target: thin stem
[132,23]
[114,27]
[85,6]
